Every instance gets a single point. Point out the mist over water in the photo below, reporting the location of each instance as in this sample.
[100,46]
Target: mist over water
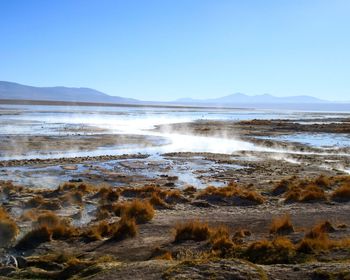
[77,121]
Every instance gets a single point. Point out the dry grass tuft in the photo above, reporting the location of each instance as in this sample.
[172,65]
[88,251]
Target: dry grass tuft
[170,196]
[107,195]
[35,202]
[240,234]
[232,194]
[317,239]
[192,230]
[280,250]
[140,210]
[8,229]
[309,245]
[173,196]
[143,192]
[72,197]
[46,227]
[308,192]
[34,238]
[223,246]
[48,219]
[59,228]
[158,202]
[125,228]
[323,181]
[8,188]
[81,187]
[219,232]
[167,256]
[199,231]
[341,194]
[97,231]
[161,254]
[282,225]
[40,202]
[325,226]
[190,190]
[283,186]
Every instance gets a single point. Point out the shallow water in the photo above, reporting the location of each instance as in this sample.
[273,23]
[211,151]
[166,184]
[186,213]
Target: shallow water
[320,140]
[72,121]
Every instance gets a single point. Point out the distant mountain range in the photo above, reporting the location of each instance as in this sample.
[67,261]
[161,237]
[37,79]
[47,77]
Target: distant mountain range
[10,90]
[239,98]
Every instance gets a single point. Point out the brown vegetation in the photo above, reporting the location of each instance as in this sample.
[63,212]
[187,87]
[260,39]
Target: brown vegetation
[323,181]
[218,236]
[190,190]
[240,234]
[125,228]
[192,230]
[318,239]
[309,193]
[72,197]
[35,202]
[81,187]
[158,202]
[140,210]
[280,250]
[97,231]
[107,194]
[232,194]
[283,186]
[282,225]
[47,226]
[8,188]
[8,229]
[342,194]
[34,238]
[312,190]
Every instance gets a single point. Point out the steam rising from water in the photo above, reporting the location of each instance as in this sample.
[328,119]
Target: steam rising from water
[138,122]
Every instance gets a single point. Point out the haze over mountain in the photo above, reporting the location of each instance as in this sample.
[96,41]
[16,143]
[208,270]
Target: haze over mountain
[238,98]
[10,90]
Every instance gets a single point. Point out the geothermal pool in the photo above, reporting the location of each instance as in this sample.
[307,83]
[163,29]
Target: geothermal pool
[73,122]
[47,133]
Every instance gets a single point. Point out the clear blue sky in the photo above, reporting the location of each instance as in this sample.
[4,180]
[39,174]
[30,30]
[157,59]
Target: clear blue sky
[167,49]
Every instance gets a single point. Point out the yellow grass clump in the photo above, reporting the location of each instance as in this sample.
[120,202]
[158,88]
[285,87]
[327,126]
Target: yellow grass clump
[308,193]
[125,228]
[342,193]
[192,230]
[140,210]
[282,225]
[158,202]
[97,231]
[233,194]
[8,229]
[219,236]
[279,250]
